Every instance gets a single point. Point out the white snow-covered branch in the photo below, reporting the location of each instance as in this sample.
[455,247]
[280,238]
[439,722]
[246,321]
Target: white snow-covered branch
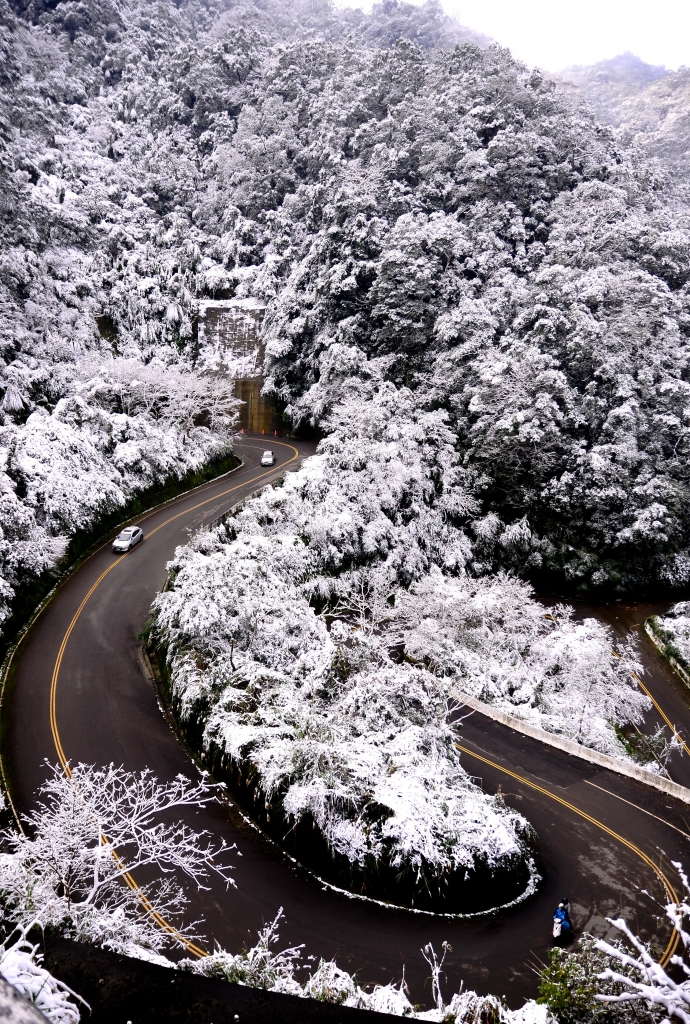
[70,868]
[645,979]
[261,966]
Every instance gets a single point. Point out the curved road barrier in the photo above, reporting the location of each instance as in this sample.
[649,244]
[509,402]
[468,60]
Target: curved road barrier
[614,764]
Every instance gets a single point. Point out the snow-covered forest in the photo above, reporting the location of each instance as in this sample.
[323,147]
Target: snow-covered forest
[436,219]
[314,643]
[476,293]
[650,103]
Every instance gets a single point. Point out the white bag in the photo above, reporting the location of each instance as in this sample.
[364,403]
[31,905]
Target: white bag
[557,926]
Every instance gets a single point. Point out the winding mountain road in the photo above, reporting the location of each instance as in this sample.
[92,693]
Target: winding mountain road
[78,690]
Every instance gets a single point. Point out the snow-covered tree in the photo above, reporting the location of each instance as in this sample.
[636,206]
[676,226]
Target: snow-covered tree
[70,869]
[116,427]
[640,978]
[314,643]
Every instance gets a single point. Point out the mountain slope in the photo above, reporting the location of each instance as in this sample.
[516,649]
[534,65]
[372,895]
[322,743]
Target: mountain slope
[610,83]
[441,220]
[649,103]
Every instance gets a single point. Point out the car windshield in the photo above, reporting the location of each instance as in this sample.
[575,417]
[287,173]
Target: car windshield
[267,455]
[125,534]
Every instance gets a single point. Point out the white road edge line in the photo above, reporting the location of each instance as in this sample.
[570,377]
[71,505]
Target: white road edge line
[638,808]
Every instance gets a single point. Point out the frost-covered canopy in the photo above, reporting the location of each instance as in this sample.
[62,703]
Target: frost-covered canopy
[412,211]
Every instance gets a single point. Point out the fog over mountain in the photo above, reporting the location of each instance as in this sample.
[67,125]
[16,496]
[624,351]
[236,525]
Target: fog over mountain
[649,103]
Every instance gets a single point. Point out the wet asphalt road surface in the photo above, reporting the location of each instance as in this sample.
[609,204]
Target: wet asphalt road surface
[107,711]
[670,692]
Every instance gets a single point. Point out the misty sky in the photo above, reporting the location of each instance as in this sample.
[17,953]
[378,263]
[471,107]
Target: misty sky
[553,34]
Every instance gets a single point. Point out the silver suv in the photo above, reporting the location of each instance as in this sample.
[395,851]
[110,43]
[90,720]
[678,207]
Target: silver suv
[268,458]
[128,538]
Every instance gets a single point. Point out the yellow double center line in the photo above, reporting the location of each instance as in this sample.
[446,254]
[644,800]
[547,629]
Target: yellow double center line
[653,699]
[656,705]
[659,708]
[670,891]
[146,903]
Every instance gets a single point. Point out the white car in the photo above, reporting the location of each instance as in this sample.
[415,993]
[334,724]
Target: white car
[128,538]
[268,459]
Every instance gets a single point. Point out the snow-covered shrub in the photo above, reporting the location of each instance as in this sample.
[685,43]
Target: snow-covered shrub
[311,714]
[261,967]
[88,832]
[20,965]
[117,428]
[571,986]
[258,967]
[673,630]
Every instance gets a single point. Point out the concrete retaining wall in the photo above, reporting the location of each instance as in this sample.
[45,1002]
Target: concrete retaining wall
[614,764]
[120,988]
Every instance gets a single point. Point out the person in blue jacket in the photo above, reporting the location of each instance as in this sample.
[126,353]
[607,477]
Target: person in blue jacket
[562,925]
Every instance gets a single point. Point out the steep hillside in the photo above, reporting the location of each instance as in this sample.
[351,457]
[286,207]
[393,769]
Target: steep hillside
[476,292]
[649,103]
[416,217]
[111,119]
[608,85]
[661,116]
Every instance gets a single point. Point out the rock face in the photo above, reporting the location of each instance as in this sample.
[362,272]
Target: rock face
[230,338]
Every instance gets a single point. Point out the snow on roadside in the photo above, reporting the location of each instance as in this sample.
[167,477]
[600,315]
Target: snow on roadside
[499,645]
[674,629]
[116,427]
[262,967]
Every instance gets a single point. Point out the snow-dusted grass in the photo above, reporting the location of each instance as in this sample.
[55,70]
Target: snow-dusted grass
[312,643]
